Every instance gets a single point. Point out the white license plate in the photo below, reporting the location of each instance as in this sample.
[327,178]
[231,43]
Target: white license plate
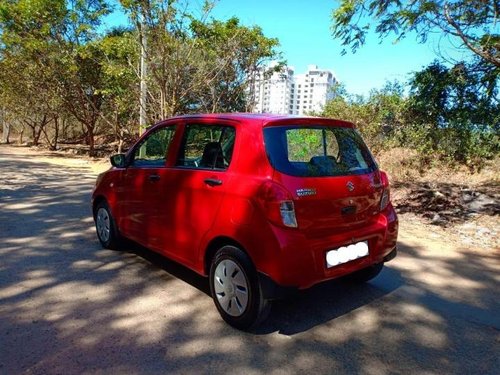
[346,254]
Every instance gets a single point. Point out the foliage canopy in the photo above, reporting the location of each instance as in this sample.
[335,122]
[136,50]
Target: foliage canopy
[59,66]
[472,24]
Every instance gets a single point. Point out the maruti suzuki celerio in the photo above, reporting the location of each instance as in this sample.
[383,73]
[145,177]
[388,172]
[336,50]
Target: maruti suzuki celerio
[261,204]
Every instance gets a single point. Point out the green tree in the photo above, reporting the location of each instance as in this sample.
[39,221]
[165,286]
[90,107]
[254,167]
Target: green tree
[195,64]
[472,24]
[57,67]
[56,40]
[28,69]
[232,54]
[83,80]
[171,56]
[120,87]
[379,116]
[454,112]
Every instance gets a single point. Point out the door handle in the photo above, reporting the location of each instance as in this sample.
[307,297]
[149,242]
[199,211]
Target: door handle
[154,177]
[213,181]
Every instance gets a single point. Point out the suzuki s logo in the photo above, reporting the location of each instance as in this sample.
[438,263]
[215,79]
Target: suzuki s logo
[350,186]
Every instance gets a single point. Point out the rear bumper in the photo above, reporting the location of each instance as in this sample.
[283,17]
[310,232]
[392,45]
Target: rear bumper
[300,261]
[272,290]
[391,255]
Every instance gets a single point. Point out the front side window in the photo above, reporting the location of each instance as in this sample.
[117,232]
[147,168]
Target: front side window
[153,150]
[207,147]
[317,151]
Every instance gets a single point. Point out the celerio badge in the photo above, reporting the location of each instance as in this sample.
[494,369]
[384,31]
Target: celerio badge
[305,192]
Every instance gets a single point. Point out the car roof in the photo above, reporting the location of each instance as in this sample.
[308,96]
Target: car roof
[265,119]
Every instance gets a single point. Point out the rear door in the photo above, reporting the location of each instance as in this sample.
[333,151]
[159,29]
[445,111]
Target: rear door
[201,174]
[329,171]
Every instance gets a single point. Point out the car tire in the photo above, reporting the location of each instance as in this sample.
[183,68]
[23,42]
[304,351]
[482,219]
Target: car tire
[105,225]
[366,274]
[236,290]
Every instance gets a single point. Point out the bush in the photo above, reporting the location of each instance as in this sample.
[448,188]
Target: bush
[450,115]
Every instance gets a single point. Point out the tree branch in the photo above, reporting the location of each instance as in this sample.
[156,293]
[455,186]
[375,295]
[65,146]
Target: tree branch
[480,52]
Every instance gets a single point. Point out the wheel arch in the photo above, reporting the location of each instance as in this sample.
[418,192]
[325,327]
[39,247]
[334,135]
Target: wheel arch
[98,199]
[214,245]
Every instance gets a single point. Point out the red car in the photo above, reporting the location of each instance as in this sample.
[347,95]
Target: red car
[261,204]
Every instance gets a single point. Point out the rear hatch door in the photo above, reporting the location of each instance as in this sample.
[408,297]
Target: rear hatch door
[328,169]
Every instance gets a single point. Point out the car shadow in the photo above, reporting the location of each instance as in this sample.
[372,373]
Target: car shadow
[302,310]
[171,267]
[327,301]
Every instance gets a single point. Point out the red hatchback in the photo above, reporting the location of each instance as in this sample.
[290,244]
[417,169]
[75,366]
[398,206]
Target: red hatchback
[261,204]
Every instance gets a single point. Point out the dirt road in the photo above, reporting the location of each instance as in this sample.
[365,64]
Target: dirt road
[69,307]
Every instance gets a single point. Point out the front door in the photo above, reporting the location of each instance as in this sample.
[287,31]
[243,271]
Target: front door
[147,189]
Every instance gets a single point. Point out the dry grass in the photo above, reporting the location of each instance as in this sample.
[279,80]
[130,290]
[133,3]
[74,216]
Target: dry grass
[462,204]
[406,165]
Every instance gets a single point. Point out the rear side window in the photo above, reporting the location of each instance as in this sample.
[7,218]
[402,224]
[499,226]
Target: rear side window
[207,147]
[317,151]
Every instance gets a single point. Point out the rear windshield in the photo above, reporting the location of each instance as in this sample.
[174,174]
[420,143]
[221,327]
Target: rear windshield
[317,151]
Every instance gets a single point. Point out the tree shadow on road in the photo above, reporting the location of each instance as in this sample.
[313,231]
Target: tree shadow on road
[68,306]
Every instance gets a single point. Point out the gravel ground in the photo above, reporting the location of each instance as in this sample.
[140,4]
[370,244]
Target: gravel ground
[69,307]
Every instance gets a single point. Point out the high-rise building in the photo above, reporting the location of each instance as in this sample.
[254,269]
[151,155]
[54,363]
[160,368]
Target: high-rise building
[273,93]
[286,93]
[312,90]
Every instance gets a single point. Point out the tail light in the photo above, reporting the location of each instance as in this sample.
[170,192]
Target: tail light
[384,200]
[278,204]
[288,214]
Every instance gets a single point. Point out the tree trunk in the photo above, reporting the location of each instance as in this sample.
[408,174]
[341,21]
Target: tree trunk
[38,133]
[116,127]
[21,136]
[163,104]
[120,146]
[52,143]
[64,130]
[34,136]
[119,133]
[90,140]
[56,131]
[6,131]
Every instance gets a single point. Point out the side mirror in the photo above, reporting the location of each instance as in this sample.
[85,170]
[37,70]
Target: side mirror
[118,160]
